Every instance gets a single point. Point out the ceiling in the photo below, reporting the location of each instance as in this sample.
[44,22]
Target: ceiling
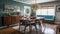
[33,1]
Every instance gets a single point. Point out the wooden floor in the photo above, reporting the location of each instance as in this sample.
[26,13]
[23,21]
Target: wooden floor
[13,31]
[9,31]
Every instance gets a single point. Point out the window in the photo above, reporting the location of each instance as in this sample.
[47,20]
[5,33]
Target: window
[46,11]
[39,12]
[51,12]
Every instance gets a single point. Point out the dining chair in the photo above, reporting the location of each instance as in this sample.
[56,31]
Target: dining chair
[29,23]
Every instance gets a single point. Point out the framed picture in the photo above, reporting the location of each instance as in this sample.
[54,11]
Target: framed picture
[11,8]
[58,8]
[27,9]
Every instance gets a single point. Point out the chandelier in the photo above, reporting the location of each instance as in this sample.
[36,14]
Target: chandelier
[35,6]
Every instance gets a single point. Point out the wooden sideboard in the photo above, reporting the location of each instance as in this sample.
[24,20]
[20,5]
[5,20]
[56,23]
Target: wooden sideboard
[8,20]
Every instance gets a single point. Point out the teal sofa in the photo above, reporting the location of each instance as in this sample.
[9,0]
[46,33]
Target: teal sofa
[48,18]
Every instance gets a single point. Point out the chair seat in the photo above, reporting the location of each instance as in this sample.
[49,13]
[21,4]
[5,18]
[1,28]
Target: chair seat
[27,24]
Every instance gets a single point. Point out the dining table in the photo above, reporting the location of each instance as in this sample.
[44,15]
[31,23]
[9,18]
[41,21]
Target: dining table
[31,21]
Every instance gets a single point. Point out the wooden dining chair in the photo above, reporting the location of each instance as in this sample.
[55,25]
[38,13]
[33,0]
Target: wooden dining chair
[29,23]
[25,23]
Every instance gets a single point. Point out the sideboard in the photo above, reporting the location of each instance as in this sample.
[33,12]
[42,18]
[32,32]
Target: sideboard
[8,20]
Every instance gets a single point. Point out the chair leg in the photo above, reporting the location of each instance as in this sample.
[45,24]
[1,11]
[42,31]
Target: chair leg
[36,29]
[39,25]
[19,26]
[30,27]
[24,29]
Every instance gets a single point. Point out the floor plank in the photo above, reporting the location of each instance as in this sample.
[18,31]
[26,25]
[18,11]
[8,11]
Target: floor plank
[13,31]
[9,31]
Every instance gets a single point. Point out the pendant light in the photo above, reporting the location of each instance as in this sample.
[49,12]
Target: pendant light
[35,6]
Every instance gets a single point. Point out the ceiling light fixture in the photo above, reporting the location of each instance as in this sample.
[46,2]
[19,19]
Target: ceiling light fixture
[35,6]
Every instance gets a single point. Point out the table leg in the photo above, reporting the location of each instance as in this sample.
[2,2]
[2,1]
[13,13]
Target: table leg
[36,29]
